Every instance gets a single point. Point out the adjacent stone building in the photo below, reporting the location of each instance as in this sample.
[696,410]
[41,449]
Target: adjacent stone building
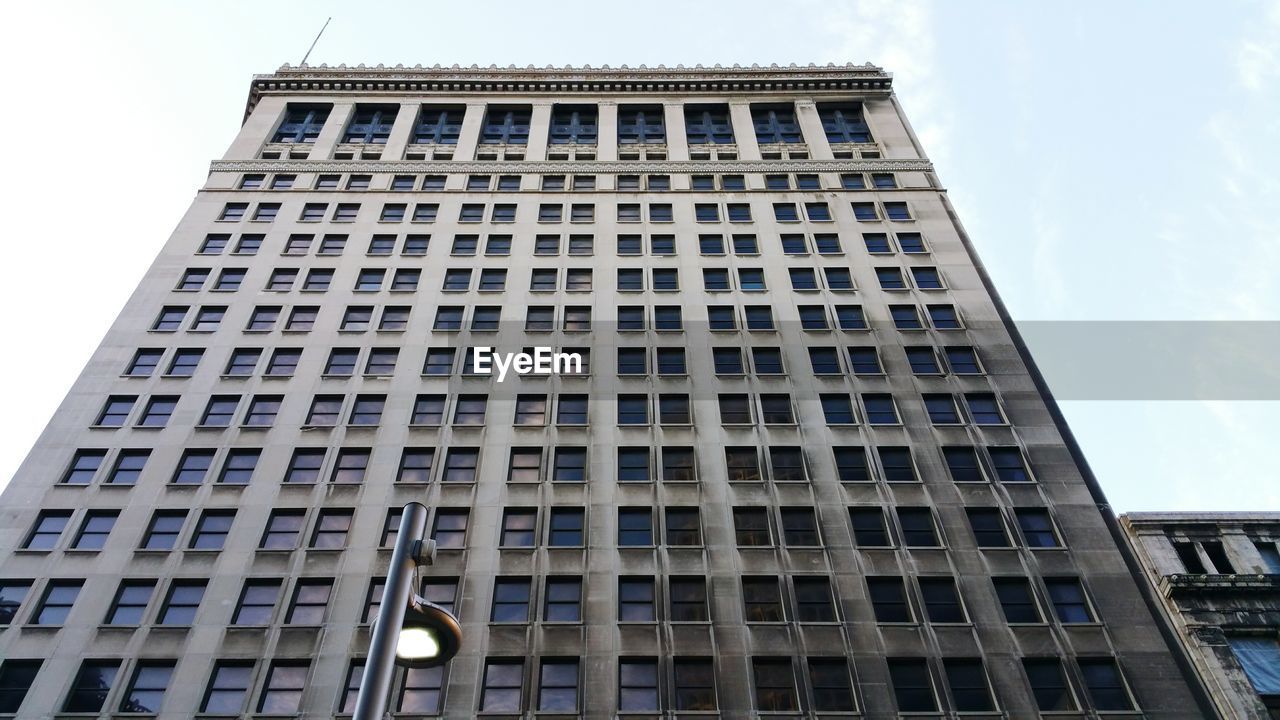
[1218,576]
[808,470]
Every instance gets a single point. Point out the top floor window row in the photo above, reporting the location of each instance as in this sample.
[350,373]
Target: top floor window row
[705,124]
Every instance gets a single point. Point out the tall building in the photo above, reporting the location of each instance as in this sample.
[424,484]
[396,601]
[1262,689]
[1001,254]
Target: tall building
[1218,577]
[808,468]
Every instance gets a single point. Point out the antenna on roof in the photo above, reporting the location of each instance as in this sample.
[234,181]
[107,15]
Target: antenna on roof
[313,42]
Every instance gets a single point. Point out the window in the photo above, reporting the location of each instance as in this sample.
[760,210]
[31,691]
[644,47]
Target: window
[837,409]
[116,411]
[715,280]
[944,317]
[128,467]
[573,125]
[785,212]
[566,527]
[232,212]
[865,211]
[923,360]
[889,600]
[633,410]
[1068,599]
[147,687]
[130,602]
[865,361]
[641,125]
[438,125]
[803,279]
[688,599]
[911,243]
[633,464]
[213,244]
[869,529]
[220,409]
[1106,687]
[422,691]
[912,685]
[55,604]
[503,685]
[48,529]
[742,464]
[813,599]
[735,409]
[571,410]
[941,408]
[851,464]
[301,123]
[310,598]
[266,212]
[988,527]
[1016,600]
[510,600]
[84,465]
[16,678]
[92,685]
[162,533]
[518,528]
[450,530]
[331,529]
[257,602]
[1048,684]
[283,530]
[157,411]
[1009,464]
[708,125]
[967,680]
[94,529]
[636,599]
[918,529]
[1037,528]
[762,599]
[942,600]
[282,691]
[817,212]
[581,212]
[460,465]
[829,681]
[638,685]
[787,464]
[775,685]
[248,244]
[635,527]
[984,409]
[228,686]
[799,527]
[415,465]
[212,529]
[775,125]
[563,600]
[850,317]
[683,527]
[843,123]
[694,684]
[880,409]
[305,465]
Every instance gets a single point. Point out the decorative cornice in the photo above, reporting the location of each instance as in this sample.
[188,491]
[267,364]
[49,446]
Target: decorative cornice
[542,167]
[365,80]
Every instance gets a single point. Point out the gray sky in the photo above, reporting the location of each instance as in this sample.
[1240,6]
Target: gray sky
[1090,146]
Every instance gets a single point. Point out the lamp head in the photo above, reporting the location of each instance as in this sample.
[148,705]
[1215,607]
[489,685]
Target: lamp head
[430,635]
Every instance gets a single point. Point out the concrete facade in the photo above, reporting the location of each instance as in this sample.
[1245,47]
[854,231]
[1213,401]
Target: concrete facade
[1218,577]
[987,500]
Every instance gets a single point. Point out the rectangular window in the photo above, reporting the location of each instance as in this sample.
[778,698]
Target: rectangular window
[91,687]
[1048,684]
[694,685]
[967,680]
[889,600]
[257,602]
[282,691]
[1069,601]
[912,685]
[518,527]
[310,598]
[94,529]
[869,529]
[762,600]
[130,602]
[212,529]
[563,600]
[566,527]
[55,605]
[1016,600]
[502,687]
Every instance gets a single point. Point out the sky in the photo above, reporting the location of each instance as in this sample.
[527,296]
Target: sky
[1111,162]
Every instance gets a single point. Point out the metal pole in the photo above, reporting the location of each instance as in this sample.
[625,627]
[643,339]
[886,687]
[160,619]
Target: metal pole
[379,667]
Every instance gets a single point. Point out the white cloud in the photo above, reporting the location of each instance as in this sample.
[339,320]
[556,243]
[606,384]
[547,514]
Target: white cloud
[1258,59]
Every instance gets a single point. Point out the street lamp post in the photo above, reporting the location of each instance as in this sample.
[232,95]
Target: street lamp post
[408,631]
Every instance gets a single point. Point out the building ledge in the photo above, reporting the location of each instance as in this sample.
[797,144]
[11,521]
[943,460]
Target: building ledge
[1177,584]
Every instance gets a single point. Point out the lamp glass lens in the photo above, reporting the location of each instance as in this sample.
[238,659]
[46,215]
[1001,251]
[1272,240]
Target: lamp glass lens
[417,644]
